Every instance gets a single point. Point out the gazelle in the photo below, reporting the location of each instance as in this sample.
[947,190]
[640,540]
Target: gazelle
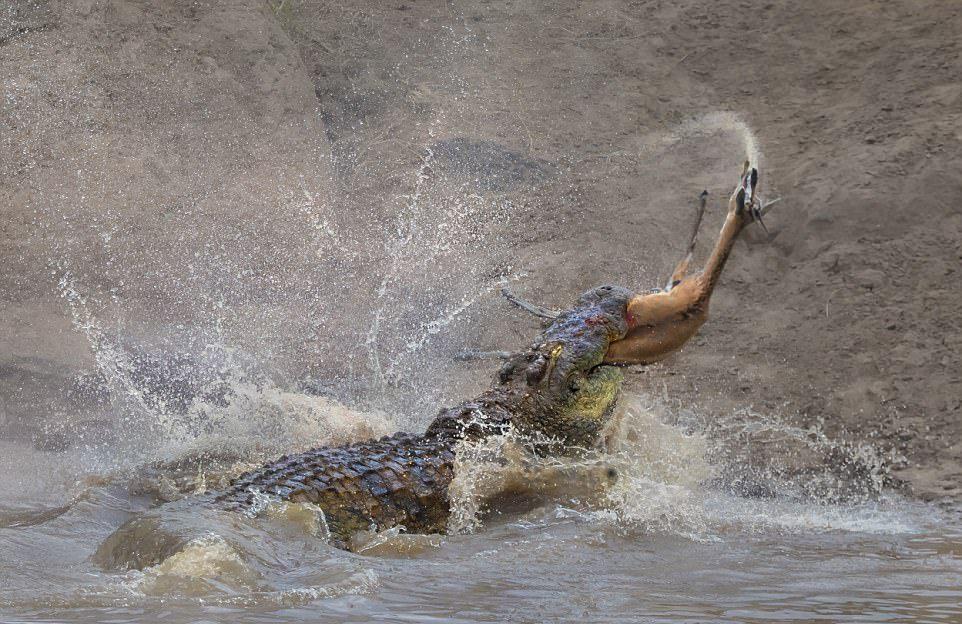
[661,321]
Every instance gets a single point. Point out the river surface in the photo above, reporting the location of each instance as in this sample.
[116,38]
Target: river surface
[666,543]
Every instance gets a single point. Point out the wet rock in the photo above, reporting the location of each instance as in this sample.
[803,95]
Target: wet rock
[489,165]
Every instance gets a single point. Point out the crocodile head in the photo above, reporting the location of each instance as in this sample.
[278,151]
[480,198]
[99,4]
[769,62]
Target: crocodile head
[563,389]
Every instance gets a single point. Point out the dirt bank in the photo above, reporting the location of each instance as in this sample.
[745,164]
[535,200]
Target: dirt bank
[255,166]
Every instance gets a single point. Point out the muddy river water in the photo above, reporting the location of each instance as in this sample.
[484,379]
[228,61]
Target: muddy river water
[665,543]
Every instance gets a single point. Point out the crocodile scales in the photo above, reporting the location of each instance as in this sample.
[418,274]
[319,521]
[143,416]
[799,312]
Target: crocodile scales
[557,393]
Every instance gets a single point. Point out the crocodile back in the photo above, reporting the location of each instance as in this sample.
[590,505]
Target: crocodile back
[396,480]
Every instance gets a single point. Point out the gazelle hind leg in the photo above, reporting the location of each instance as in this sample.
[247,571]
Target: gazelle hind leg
[527,306]
[681,269]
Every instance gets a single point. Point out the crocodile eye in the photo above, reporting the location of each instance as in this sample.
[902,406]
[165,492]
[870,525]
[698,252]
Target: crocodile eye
[535,371]
[507,371]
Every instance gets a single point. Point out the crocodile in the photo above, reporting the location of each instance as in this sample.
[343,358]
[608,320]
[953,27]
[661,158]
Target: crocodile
[556,391]
[559,393]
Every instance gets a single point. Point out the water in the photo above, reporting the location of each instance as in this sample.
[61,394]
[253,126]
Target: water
[667,541]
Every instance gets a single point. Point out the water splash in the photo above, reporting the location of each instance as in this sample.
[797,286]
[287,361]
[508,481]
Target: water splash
[227,406]
[711,123]
[111,361]
[659,477]
[206,565]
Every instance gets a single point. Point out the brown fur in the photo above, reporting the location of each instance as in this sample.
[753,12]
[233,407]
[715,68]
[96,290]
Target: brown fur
[660,323]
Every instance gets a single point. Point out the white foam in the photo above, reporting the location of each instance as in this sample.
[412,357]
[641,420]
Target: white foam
[665,472]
